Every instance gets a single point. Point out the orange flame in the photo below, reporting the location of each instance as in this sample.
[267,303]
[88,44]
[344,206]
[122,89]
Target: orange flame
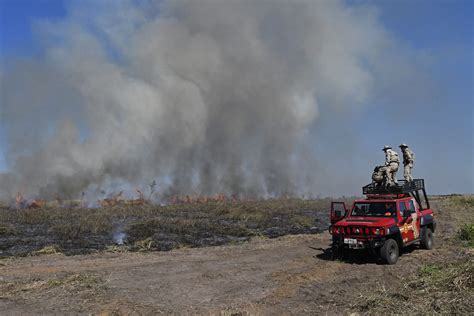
[38,203]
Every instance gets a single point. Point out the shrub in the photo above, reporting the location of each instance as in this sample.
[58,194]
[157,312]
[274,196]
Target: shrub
[466,233]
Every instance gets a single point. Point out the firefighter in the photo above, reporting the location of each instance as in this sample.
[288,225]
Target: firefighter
[392,162]
[378,175]
[408,159]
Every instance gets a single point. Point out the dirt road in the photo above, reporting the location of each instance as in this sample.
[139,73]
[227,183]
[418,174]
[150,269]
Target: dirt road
[291,274]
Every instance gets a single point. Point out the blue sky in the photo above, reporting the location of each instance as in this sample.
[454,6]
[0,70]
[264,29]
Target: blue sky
[440,128]
[16,19]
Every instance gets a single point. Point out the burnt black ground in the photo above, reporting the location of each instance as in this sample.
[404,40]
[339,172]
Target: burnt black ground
[75,231]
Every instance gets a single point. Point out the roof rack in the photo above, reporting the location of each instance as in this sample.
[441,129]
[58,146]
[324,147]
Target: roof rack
[403,187]
[412,188]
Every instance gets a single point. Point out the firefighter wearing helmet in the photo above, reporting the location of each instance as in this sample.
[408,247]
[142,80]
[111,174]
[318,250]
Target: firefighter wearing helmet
[408,159]
[392,162]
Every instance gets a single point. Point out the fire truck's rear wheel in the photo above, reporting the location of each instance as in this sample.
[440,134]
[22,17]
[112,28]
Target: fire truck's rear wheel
[427,239]
[389,251]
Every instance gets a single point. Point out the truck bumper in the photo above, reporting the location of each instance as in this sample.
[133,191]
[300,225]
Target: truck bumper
[370,243]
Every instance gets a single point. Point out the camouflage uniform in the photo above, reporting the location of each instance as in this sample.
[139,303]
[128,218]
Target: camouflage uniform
[392,162]
[408,159]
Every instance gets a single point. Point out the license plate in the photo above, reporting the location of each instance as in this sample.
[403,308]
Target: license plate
[350,241]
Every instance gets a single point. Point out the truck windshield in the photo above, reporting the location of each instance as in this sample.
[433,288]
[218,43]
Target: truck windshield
[379,209]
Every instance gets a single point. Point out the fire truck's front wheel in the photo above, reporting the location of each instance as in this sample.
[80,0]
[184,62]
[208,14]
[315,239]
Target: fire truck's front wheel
[389,251]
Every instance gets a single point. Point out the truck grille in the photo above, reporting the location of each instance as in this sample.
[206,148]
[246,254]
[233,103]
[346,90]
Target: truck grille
[356,231]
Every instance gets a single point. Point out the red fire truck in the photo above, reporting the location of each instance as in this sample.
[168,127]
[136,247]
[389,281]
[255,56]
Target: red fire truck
[389,219]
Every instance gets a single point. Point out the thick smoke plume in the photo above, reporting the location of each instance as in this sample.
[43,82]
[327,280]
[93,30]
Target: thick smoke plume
[202,96]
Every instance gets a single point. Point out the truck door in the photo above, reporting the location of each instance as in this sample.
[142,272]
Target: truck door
[416,215]
[410,223]
[404,225]
[338,211]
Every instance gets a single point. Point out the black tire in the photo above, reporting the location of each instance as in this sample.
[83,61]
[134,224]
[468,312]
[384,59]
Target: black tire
[389,251]
[334,253]
[337,253]
[426,241]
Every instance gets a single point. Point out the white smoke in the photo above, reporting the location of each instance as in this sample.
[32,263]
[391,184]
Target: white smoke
[203,96]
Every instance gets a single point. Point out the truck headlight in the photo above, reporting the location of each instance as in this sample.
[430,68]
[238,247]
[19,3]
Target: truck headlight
[378,231]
